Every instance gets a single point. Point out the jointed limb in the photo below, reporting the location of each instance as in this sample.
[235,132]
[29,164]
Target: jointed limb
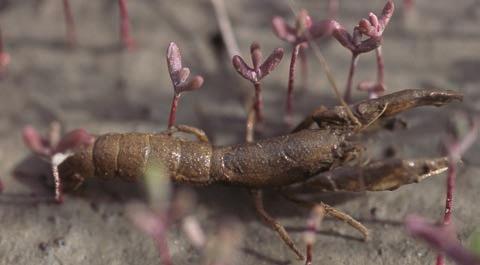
[258,201]
[333,212]
[200,134]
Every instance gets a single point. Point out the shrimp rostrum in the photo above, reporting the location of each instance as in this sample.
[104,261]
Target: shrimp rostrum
[326,158]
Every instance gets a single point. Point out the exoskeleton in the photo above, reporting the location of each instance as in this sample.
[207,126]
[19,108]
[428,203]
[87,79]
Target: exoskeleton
[325,158]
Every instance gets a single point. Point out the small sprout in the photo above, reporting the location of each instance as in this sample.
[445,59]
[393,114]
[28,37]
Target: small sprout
[54,148]
[257,72]
[373,27]
[298,36]
[127,40]
[442,238]
[455,148]
[179,76]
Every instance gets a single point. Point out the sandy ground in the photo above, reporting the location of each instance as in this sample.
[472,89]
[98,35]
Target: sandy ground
[102,89]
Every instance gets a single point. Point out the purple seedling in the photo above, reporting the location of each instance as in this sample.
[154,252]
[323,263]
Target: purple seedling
[455,148]
[179,76]
[442,238]
[298,37]
[127,39]
[373,28]
[257,72]
[306,30]
[55,149]
[4,57]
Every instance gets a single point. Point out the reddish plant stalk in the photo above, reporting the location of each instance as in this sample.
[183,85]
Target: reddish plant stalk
[303,67]
[380,65]
[1,186]
[291,78]
[70,24]
[447,217]
[258,105]
[127,40]
[348,90]
[173,110]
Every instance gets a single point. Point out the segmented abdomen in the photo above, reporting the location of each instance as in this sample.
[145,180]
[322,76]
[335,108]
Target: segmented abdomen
[128,156]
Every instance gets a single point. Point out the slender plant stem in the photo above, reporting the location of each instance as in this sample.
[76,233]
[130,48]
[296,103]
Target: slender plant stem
[291,77]
[250,129]
[380,65]
[348,89]
[127,40]
[70,24]
[303,68]
[258,103]
[447,216]
[173,110]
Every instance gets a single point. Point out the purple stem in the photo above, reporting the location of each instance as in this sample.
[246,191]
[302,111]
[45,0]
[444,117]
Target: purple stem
[348,90]
[127,40]
[173,110]
[380,65]
[1,186]
[71,35]
[447,217]
[303,67]
[291,77]
[258,105]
